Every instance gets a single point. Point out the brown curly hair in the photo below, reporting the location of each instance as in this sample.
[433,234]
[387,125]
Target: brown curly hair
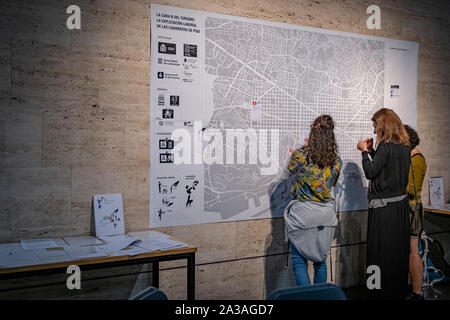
[414,139]
[321,148]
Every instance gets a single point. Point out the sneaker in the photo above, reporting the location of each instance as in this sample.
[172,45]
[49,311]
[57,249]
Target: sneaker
[414,296]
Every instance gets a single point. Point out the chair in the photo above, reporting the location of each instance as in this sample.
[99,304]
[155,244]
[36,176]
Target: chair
[321,291]
[151,293]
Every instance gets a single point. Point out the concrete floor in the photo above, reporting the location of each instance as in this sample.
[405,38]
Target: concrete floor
[440,291]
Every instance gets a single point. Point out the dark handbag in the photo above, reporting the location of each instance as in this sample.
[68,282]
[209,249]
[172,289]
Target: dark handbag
[416,211]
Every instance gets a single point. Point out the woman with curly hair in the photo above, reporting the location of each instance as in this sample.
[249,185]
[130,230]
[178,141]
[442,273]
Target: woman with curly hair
[387,169]
[311,219]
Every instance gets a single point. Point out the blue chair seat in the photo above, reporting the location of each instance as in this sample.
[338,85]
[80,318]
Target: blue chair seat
[322,291]
[151,293]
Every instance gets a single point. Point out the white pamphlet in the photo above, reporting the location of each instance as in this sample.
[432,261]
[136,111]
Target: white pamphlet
[436,191]
[108,211]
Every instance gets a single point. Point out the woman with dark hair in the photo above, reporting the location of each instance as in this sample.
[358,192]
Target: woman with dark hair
[388,218]
[311,218]
[415,180]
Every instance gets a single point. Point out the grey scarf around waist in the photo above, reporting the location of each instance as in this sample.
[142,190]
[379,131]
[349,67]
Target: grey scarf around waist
[310,227]
[383,202]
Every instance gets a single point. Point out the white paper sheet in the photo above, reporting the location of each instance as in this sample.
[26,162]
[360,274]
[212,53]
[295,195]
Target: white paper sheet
[153,244]
[133,250]
[82,241]
[85,252]
[33,244]
[52,255]
[10,247]
[113,244]
[18,259]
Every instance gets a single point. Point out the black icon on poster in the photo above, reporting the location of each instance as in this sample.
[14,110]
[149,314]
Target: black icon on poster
[163,189]
[174,100]
[167,113]
[168,48]
[160,213]
[166,158]
[190,50]
[160,75]
[161,100]
[167,202]
[189,190]
[166,144]
[174,186]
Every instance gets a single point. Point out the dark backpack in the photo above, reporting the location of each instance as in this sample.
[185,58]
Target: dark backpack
[436,268]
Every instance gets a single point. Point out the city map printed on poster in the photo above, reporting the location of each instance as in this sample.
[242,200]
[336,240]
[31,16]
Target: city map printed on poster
[233,73]
[108,212]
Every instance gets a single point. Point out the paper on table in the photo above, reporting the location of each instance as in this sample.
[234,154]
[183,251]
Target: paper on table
[10,247]
[148,234]
[52,255]
[153,244]
[82,241]
[33,244]
[114,244]
[18,259]
[133,250]
[85,252]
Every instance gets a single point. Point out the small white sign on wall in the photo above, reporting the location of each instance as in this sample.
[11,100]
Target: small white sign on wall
[436,191]
[108,212]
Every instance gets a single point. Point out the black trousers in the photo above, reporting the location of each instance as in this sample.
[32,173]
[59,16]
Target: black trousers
[388,248]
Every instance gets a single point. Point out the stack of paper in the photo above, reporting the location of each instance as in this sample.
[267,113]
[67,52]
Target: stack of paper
[42,251]
[114,244]
[132,250]
[154,244]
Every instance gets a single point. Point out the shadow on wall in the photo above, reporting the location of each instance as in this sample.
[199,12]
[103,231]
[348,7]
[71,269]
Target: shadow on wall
[350,193]
[349,259]
[278,272]
[346,263]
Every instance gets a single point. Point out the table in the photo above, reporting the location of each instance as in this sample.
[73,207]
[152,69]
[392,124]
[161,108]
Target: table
[442,210]
[154,257]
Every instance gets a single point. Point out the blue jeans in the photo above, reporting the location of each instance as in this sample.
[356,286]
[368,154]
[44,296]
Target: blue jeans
[300,264]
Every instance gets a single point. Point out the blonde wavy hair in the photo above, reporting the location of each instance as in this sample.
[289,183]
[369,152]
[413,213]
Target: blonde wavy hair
[389,127]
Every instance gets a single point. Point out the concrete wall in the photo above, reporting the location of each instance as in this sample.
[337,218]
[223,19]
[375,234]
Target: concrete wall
[74,121]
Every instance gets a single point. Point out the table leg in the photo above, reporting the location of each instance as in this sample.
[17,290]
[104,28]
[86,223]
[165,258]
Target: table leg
[191,277]
[155,274]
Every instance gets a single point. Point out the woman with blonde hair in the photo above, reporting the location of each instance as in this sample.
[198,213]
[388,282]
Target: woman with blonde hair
[388,227]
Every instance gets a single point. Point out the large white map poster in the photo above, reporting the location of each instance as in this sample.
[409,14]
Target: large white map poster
[232,97]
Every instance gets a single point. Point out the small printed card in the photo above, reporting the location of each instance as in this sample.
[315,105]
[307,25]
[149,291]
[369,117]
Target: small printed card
[436,191]
[108,211]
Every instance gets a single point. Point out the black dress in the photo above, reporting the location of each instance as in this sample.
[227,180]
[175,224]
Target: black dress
[388,227]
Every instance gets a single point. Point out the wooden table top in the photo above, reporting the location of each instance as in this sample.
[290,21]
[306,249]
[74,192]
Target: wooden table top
[442,210]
